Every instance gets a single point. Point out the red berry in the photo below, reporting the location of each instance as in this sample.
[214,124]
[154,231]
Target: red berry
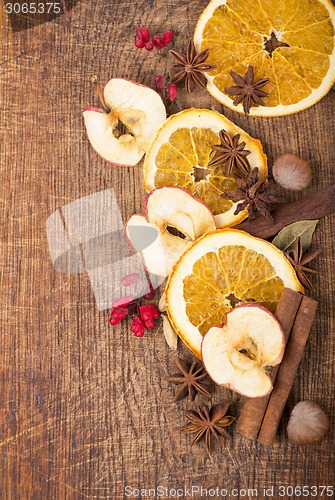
[149,292]
[149,324]
[152,310]
[149,45]
[136,309]
[139,43]
[137,327]
[167,37]
[157,41]
[149,313]
[129,279]
[139,32]
[159,82]
[172,91]
[143,34]
[122,302]
[117,315]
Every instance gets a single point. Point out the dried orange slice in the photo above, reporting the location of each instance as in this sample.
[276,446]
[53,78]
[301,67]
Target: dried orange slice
[221,269]
[291,42]
[181,151]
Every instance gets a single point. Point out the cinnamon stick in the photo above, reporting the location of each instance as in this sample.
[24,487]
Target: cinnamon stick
[253,409]
[313,206]
[287,370]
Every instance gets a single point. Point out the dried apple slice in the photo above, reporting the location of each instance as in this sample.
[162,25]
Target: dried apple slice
[236,355]
[168,210]
[136,106]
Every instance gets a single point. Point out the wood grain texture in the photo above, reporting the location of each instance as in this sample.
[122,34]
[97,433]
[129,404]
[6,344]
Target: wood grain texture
[84,408]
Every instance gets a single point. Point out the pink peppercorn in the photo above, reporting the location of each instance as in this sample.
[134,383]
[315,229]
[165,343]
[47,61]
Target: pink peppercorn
[172,91]
[149,45]
[122,302]
[157,41]
[143,34]
[139,43]
[129,279]
[159,82]
[150,310]
[167,37]
[117,315]
[149,324]
[148,314]
[137,327]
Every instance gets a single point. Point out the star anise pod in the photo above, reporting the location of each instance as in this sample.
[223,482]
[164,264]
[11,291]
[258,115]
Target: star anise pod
[207,422]
[191,380]
[251,194]
[247,89]
[191,66]
[299,259]
[231,153]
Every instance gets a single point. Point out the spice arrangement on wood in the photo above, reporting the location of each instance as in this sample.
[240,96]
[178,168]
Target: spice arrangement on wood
[233,298]
[259,418]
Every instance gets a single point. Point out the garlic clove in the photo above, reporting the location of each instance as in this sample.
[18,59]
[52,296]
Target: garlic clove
[292,172]
[308,424]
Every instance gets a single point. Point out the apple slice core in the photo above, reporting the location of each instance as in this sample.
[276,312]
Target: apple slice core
[237,354]
[169,207]
[100,126]
[138,107]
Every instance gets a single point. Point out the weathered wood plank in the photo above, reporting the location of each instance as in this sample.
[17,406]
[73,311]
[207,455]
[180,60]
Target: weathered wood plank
[85,409]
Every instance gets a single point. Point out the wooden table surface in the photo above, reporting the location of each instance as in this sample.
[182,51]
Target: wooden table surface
[84,408]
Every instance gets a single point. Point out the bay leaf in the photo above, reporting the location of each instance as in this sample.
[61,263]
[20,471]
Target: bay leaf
[286,237]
